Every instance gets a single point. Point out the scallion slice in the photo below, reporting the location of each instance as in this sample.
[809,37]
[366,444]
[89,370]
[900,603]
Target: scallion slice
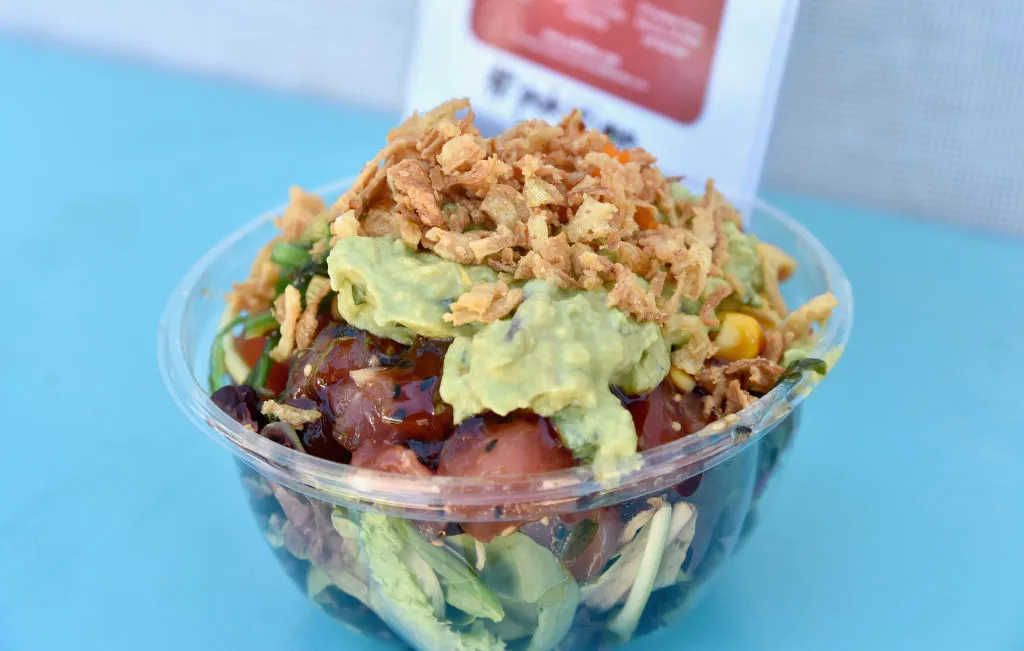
[289,255]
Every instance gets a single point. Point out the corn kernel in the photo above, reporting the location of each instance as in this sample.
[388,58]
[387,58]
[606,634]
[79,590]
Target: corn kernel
[683,380]
[739,337]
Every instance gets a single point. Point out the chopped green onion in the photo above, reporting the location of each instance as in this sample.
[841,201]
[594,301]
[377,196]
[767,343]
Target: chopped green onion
[317,229]
[299,277]
[232,324]
[289,255]
[260,324]
[796,370]
[218,367]
[680,192]
[257,377]
[358,295]
[282,283]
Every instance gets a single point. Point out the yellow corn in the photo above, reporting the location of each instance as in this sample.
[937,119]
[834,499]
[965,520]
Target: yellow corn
[739,337]
[683,380]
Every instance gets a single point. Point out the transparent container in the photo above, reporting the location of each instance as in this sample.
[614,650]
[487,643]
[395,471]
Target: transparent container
[600,560]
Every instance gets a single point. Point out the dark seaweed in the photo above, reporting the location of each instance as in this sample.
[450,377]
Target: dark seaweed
[242,404]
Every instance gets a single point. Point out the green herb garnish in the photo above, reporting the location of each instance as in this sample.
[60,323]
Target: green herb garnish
[260,324]
[281,285]
[317,230]
[358,295]
[289,255]
[218,367]
[253,325]
[257,377]
[300,277]
[796,370]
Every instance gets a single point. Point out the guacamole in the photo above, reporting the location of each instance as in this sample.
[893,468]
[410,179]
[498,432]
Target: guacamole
[558,356]
[744,263]
[393,292]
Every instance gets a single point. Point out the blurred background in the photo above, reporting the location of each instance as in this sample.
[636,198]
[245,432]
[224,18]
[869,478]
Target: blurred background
[913,106]
[135,135]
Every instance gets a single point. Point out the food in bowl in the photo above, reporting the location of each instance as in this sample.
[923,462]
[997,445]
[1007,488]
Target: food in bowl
[496,310]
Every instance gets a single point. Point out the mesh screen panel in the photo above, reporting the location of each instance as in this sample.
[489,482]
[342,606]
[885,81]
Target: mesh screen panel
[915,106]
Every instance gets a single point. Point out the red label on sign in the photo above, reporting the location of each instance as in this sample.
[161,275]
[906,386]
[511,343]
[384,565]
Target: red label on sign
[655,53]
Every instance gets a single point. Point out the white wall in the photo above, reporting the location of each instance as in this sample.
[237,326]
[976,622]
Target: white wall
[349,50]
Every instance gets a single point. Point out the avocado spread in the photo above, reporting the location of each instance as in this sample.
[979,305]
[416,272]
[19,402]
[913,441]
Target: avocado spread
[393,292]
[744,263]
[559,355]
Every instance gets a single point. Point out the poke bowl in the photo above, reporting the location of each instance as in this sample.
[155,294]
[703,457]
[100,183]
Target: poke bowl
[445,453]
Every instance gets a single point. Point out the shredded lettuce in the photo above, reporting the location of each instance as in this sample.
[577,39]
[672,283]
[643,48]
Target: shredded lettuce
[397,596]
[316,582]
[612,586]
[681,531]
[625,621]
[537,594]
[462,586]
[427,579]
[654,547]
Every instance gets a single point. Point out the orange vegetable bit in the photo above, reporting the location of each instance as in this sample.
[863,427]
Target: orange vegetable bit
[615,152]
[645,220]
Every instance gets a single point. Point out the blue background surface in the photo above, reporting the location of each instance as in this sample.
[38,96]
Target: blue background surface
[897,524]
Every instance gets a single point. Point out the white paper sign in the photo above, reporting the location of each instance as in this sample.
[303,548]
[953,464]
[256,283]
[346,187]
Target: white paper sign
[692,81]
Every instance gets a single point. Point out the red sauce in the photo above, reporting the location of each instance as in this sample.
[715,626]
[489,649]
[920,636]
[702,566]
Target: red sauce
[393,397]
[665,415]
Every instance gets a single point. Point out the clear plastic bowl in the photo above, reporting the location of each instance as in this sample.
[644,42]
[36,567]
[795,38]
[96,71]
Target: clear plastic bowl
[341,532]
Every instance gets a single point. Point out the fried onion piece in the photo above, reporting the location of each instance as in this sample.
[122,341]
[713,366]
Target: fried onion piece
[345,225]
[287,310]
[484,303]
[255,293]
[411,188]
[710,304]
[817,310]
[774,345]
[776,266]
[736,398]
[631,297]
[460,152]
[505,205]
[294,416]
[305,330]
[302,209]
